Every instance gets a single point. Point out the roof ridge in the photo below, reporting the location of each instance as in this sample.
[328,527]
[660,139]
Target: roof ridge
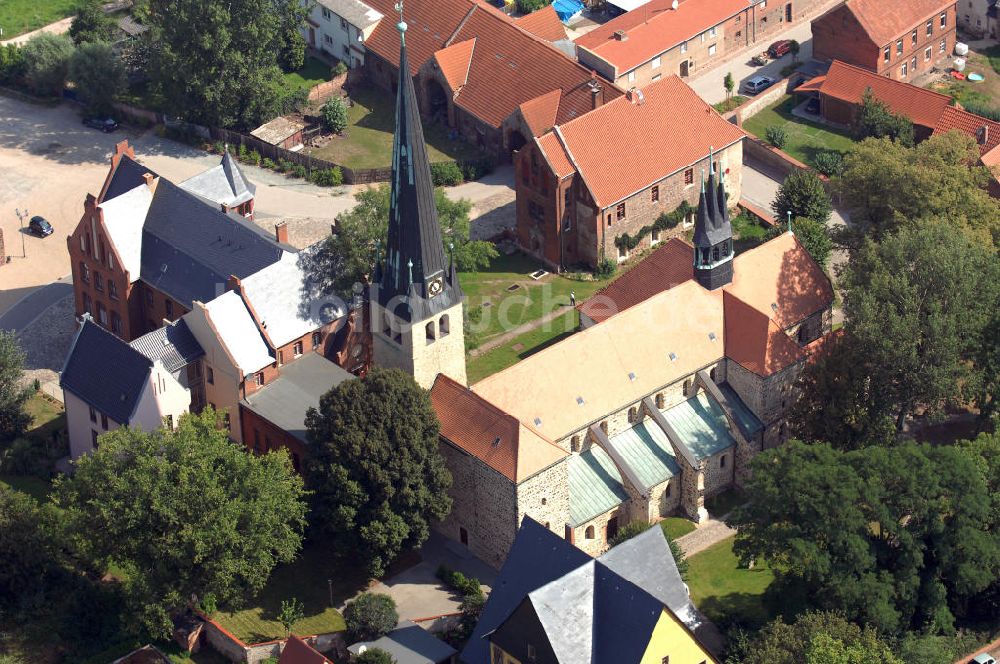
[874,76]
[461,24]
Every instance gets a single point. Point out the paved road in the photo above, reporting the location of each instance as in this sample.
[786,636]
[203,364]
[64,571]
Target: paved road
[57,28]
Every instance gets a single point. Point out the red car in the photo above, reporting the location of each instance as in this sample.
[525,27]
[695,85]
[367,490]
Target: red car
[779,48]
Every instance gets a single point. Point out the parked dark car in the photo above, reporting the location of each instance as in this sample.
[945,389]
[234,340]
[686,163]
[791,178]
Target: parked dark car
[757,83]
[40,226]
[107,125]
[779,48]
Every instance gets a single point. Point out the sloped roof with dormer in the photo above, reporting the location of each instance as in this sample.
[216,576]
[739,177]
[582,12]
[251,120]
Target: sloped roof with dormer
[222,184]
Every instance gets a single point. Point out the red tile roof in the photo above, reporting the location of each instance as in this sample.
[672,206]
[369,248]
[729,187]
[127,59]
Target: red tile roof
[540,113]
[481,429]
[970,124]
[848,83]
[660,130]
[508,67]
[754,341]
[454,62]
[555,154]
[668,266]
[884,24]
[654,28]
[543,23]
[298,651]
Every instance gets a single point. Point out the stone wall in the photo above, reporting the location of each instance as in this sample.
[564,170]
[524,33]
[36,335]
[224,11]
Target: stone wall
[3,251]
[719,471]
[224,643]
[664,499]
[598,544]
[484,504]
[761,101]
[324,91]
[545,497]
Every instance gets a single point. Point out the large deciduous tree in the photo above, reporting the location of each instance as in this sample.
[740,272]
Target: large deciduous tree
[875,120]
[185,513]
[29,551]
[815,637]
[91,23]
[14,418]
[216,61]
[898,538]
[349,256]
[99,75]
[376,468]
[803,194]
[886,185]
[46,63]
[916,308]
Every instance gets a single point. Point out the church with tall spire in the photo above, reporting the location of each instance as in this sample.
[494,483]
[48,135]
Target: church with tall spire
[417,304]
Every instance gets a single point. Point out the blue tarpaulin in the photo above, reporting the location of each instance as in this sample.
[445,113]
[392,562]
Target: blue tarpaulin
[567,9]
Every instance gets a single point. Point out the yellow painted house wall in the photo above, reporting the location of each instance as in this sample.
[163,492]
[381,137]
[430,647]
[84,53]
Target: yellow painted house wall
[671,638]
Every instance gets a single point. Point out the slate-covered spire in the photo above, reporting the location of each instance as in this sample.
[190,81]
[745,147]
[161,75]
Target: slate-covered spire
[414,270]
[713,233]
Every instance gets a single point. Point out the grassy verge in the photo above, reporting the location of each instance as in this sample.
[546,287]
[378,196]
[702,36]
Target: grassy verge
[367,141]
[312,73]
[306,579]
[724,591]
[521,347]
[733,102]
[804,139]
[36,488]
[495,309]
[20,16]
[675,526]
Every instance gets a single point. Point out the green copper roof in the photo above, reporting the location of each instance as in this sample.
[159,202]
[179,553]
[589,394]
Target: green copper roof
[648,452]
[701,424]
[595,485]
[747,421]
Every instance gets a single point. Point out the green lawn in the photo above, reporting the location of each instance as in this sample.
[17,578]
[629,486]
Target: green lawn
[367,141]
[805,139]
[47,415]
[33,486]
[500,310]
[312,73]
[675,526]
[993,56]
[725,592]
[20,16]
[306,580]
[521,347]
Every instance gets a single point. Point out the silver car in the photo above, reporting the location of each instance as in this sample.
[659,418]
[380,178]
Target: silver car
[758,83]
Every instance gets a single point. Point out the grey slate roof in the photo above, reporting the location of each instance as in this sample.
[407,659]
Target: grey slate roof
[712,224]
[410,643]
[355,12]
[126,177]
[224,183]
[173,345]
[285,401]
[537,557]
[189,248]
[105,372]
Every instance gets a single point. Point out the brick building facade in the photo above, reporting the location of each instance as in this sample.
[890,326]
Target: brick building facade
[616,170]
[899,44]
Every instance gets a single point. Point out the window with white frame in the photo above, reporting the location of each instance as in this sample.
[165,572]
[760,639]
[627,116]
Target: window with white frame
[684,47]
[631,76]
[712,32]
[656,63]
[711,49]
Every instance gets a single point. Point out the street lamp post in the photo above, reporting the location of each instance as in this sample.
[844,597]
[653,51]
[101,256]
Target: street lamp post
[21,216]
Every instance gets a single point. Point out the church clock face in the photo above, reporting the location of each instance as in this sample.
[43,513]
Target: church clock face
[435,286]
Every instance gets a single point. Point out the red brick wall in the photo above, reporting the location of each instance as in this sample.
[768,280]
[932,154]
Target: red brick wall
[837,35]
[261,436]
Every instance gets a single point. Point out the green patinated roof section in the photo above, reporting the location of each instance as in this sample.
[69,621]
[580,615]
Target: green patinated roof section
[701,424]
[647,450]
[595,485]
[745,418]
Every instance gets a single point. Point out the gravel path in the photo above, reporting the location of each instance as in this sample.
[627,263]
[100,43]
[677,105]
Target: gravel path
[707,533]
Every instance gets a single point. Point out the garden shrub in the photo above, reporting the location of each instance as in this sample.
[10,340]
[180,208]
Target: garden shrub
[299,171]
[776,136]
[46,59]
[241,152]
[829,162]
[269,164]
[285,166]
[339,69]
[469,587]
[12,65]
[446,174]
[375,656]
[473,170]
[370,616]
[328,177]
[254,158]
[528,6]
[334,115]
[605,269]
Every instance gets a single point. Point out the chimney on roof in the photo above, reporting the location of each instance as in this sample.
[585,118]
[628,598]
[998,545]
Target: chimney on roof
[281,232]
[595,90]
[635,96]
[621,35]
[150,181]
[225,208]
[983,135]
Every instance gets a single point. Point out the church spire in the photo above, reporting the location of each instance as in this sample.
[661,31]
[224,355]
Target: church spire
[415,281]
[713,232]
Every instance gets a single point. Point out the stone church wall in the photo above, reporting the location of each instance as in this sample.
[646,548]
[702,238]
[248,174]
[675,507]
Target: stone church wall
[719,477]
[545,497]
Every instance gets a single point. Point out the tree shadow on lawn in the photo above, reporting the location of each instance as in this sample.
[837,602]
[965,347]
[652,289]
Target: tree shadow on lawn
[751,611]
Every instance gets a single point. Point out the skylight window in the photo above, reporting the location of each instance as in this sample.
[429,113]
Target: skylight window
[538,422]
[579,401]
[711,336]
[631,375]
[774,307]
[673,357]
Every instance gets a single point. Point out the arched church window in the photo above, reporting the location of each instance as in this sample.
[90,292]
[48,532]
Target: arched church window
[430,331]
[633,414]
[589,533]
[444,325]
[660,401]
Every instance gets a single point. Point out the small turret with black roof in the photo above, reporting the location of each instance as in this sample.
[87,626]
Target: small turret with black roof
[713,234]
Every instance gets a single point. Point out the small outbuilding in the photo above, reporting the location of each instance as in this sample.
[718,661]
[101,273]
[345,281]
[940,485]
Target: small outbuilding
[284,132]
[409,643]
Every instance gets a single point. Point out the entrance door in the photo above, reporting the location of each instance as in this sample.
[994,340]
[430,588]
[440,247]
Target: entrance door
[463,535]
[612,529]
[788,13]
[685,67]
[312,37]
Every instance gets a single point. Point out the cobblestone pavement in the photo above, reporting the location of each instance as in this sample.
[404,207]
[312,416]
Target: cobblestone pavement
[707,533]
[46,342]
[493,215]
